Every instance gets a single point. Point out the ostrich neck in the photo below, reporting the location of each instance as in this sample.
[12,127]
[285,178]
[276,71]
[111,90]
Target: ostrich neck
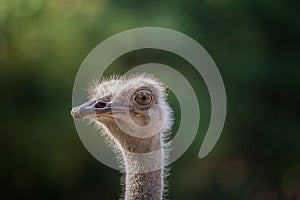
[140,186]
[144,176]
[143,160]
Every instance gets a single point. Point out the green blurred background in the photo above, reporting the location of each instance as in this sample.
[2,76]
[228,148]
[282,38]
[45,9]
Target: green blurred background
[254,43]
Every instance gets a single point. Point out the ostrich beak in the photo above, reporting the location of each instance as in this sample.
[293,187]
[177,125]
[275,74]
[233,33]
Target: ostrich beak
[91,109]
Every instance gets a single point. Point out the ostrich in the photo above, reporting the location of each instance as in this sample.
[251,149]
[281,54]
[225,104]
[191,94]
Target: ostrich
[132,112]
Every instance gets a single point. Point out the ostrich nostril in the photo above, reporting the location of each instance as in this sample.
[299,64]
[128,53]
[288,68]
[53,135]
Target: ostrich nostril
[100,104]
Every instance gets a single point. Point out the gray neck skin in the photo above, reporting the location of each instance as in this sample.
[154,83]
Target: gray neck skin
[143,161]
[144,171]
[144,186]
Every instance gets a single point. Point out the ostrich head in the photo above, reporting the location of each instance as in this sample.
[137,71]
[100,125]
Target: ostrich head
[132,110]
[134,114]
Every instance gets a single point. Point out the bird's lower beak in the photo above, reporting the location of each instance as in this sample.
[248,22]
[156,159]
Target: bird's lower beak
[91,109]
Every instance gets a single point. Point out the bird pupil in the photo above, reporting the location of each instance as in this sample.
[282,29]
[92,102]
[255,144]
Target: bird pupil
[143,98]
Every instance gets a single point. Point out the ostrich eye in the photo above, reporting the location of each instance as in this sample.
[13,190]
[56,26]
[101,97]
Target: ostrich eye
[143,97]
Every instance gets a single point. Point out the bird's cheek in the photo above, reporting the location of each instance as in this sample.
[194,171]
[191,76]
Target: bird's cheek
[140,119]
